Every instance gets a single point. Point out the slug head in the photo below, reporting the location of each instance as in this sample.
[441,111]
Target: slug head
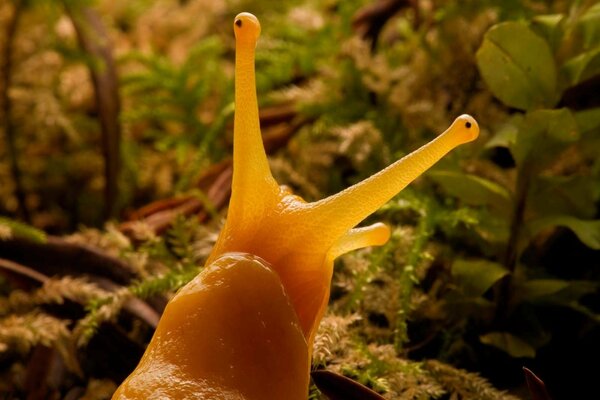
[300,240]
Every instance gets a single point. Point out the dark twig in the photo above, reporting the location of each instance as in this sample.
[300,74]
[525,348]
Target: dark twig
[59,257]
[536,386]
[19,273]
[502,291]
[339,387]
[8,267]
[133,305]
[9,131]
[370,20]
[45,369]
[93,38]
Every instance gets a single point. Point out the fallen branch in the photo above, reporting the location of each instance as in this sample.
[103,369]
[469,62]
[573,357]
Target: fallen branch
[59,257]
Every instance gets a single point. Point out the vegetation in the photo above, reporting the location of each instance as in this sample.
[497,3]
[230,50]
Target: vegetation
[115,137]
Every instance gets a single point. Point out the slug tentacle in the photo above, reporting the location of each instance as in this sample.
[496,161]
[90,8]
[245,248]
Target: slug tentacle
[255,188]
[364,198]
[358,238]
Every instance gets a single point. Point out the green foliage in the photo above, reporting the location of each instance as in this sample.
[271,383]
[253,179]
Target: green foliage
[477,277]
[12,228]
[176,252]
[167,100]
[546,194]
[518,66]
[466,277]
[511,344]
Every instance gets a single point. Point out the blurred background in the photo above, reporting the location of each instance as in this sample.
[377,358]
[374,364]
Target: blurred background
[115,145]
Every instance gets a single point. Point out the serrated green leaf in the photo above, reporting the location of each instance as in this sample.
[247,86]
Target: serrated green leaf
[588,231]
[518,66]
[509,343]
[476,277]
[473,190]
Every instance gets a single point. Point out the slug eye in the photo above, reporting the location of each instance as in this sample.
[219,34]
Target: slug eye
[468,126]
[246,27]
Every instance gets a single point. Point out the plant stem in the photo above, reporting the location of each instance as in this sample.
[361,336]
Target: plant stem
[93,39]
[9,131]
[504,289]
[407,277]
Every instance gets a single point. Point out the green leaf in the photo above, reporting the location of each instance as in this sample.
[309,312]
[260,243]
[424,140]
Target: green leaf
[537,288]
[20,229]
[560,293]
[556,195]
[589,26]
[506,136]
[588,231]
[509,343]
[581,67]
[493,229]
[476,277]
[588,120]
[473,190]
[518,66]
[543,134]
[549,27]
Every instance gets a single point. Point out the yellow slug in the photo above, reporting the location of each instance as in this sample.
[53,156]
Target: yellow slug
[244,327]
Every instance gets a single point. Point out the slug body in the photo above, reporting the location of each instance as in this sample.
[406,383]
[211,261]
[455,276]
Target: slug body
[244,327]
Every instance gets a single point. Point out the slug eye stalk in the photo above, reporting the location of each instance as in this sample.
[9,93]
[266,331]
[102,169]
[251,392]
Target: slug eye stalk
[364,198]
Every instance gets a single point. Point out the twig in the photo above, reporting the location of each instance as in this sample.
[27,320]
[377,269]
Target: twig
[22,271]
[511,257]
[44,370]
[339,387]
[407,275]
[133,305]
[370,20]
[9,131]
[59,257]
[536,386]
[93,38]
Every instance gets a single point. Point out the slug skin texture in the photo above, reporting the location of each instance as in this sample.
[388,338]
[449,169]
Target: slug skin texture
[244,327]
